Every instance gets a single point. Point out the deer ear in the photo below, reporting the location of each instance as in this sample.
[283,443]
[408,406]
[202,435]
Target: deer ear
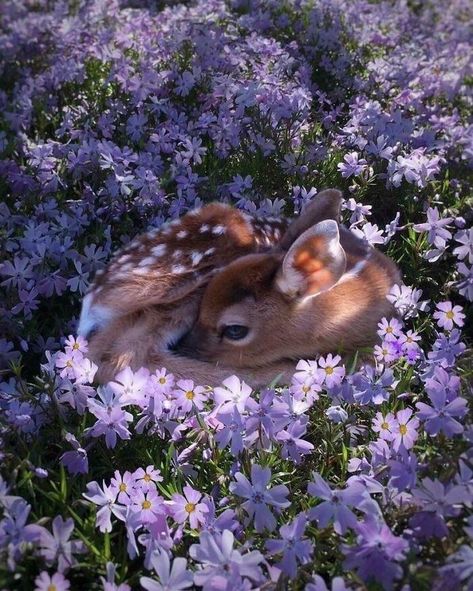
[325,206]
[314,263]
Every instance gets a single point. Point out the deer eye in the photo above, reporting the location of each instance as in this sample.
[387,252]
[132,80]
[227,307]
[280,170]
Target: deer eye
[235,332]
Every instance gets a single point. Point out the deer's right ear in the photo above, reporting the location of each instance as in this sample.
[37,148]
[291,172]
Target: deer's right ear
[314,263]
[325,206]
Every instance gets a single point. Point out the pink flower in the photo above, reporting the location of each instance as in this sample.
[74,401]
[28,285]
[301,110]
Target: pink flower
[147,505]
[56,582]
[146,479]
[404,430]
[235,393]
[187,507]
[333,375]
[448,315]
[187,395]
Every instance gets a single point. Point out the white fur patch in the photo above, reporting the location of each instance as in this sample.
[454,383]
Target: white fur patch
[204,228]
[178,269]
[218,230]
[181,234]
[158,250]
[92,316]
[196,257]
[146,262]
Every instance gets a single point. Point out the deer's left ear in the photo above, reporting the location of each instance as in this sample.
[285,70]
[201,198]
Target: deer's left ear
[314,263]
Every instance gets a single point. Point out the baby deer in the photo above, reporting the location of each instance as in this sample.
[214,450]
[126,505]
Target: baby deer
[229,293]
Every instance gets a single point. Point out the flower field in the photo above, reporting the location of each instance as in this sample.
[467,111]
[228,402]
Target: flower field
[119,115]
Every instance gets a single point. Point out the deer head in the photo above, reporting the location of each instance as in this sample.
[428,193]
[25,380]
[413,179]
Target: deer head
[322,290]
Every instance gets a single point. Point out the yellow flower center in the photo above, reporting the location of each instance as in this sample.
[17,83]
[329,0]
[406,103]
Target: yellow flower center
[190,507]
[450,315]
[409,339]
[51,588]
[162,380]
[329,371]
[146,504]
[305,389]
[385,426]
[69,363]
[402,429]
[122,487]
[76,346]
[389,329]
[146,477]
[190,395]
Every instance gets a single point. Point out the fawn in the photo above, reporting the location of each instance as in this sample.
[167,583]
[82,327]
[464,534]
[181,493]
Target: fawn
[218,292]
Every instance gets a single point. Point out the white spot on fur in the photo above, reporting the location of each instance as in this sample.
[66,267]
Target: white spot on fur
[158,250]
[141,271]
[195,211]
[182,234]
[178,269]
[204,228]
[196,257]
[218,230]
[177,253]
[146,262]
[209,251]
[124,258]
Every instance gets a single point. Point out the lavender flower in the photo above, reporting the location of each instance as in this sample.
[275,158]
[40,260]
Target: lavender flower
[375,555]
[259,496]
[292,546]
[171,577]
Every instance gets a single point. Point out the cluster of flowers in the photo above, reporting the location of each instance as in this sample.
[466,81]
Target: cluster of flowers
[232,418]
[110,110]
[115,117]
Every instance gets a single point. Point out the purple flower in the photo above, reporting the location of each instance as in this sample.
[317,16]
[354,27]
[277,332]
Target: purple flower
[352,165]
[235,393]
[447,315]
[75,461]
[221,562]
[259,496]
[465,238]
[318,584]
[146,479]
[146,506]
[56,546]
[404,429]
[232,431]
[293,446]
[187,507]
[55,582]
[384,425]
[106,499]
[460,564]
[171,577]
[292,546]
[333,374]
[441,382]
[376,552]
[435,226]
[437,502]
[187,395]
[335,504]
[440,416]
